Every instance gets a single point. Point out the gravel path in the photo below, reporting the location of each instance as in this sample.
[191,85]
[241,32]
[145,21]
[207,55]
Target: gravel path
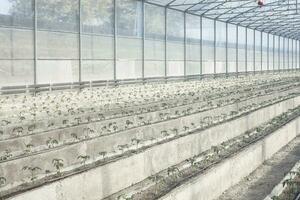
[261,182]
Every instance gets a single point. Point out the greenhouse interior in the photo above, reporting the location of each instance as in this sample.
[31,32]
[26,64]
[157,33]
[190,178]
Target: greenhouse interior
[149,100]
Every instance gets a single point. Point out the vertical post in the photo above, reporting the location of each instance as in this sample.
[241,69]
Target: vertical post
[201,47]
[185,57]
[115,40]
[143,40]
[279,54]
[254,53]
[288,53]
[261,52]
[295,53]
[166,37]
[283,54]
[80,45]
[35,46]
[292,52]
[273,54]
[226,49]
[268,52]
[237,50]
[246,50]
[215,47]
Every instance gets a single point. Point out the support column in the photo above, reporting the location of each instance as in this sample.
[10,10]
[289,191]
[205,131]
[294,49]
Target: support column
[35,47]
[246,50]
[80,45]
[201,47]
[115,40]
[254,53]
[237,50]
[215,47]
[226,49]
[166,37]
[185,56]
[143,40]
[261,52]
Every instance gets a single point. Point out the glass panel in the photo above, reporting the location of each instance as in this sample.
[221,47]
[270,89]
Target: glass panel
[258,55]
[220,47]
[57,41]
[242,52]
[154,41]
[264,51]
[97,39]
[286,53]
[193,44]
[282,53]
[17,13]
[175,43]
[207,46]
[271,46]
[231,48]
[129,43]
[57,71]
[276,52]
[16,72]
[16,36]
[250,48]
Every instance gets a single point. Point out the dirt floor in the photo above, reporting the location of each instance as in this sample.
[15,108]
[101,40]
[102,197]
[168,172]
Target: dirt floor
[261,182]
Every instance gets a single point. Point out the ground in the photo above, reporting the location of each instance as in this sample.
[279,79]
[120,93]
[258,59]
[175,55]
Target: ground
[261,182]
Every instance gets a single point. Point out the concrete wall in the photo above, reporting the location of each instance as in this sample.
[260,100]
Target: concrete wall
[145,132]
[215,181]
[105,180]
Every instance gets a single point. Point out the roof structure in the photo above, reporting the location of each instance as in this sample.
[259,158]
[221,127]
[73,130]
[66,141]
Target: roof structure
[278,17]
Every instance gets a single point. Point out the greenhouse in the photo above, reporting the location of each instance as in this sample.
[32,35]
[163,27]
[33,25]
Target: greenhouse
[149,100]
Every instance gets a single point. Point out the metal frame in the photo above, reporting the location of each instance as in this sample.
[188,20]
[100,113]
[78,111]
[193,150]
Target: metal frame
[280,18]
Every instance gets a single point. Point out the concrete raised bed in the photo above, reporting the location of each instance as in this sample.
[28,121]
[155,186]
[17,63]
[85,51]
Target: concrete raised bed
[105,180]
[17,146]
[224,175]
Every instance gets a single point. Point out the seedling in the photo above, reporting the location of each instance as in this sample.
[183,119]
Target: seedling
[103,154]
[83,159]
[2,181]
[136,142]
[32,171]
[58,164]
[51,143]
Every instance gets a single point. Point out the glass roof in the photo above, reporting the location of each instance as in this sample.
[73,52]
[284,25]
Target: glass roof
[275,16]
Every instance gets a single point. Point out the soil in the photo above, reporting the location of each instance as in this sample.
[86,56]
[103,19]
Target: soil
[261,182]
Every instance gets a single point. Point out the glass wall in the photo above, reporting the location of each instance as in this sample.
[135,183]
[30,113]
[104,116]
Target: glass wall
[175,43]
[207,46]
[286,53]
[242,49]
[97,39]
[154,41]
[71,41]
[17,42]
[220,47]
[193,37]
[57,41]
[281,53]
[129,39]
[276,53]
[232,41]
[250,48]
[264,52]
[258,52]
[271,52]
